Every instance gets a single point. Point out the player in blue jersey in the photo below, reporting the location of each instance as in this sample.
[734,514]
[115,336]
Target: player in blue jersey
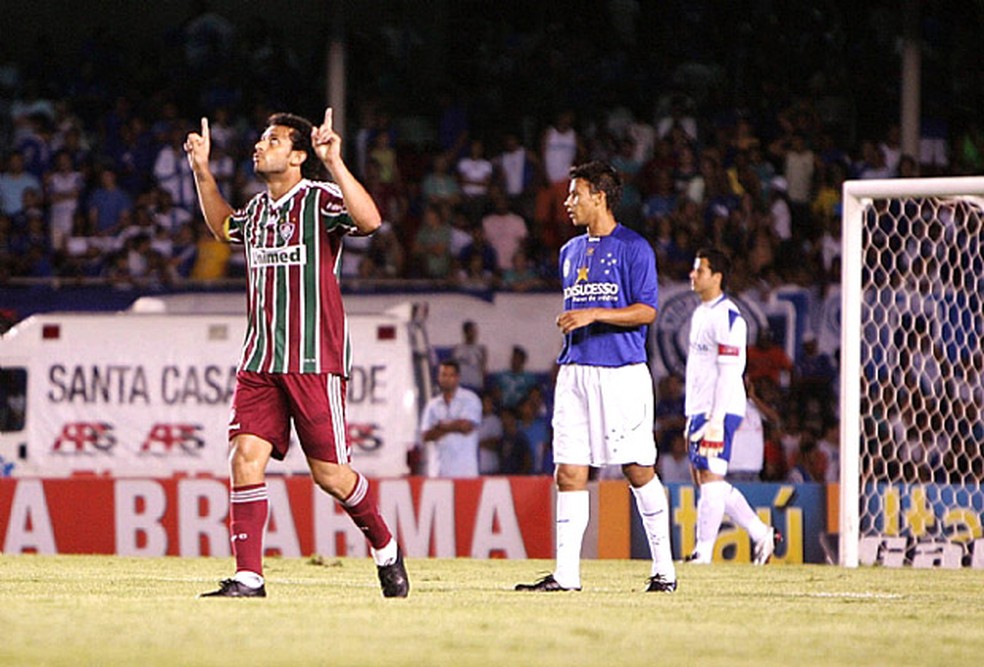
[715,405]
[603,407]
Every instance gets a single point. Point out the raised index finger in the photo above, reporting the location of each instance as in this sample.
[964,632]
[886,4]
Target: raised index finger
[327,123]
[205,131]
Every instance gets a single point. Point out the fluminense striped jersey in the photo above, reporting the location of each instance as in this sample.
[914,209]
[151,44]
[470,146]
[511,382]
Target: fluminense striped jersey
[295,317]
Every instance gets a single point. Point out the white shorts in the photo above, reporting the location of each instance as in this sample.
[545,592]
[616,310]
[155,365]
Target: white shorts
[604,416]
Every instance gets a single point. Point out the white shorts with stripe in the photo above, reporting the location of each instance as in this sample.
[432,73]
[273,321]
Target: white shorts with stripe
[604,416]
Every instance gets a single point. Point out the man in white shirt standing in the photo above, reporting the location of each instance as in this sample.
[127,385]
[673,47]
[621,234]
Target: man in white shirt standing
[715,404]
[449,426]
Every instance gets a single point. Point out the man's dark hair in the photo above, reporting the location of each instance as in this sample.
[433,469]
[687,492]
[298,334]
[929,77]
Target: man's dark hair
[602,177]
[718,261]
[452,363]
[300,138]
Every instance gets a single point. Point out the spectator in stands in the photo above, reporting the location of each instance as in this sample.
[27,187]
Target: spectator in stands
[109,205]
[813,382]
[510,386]
[172,171]
[489,438]
[383,153]
[769,360]
[386,258]
[811,464]
[505,231]
[516,174]
[798,162]
[472,358]
[536,429]
[63,188]
[522,276]
[475,177]
[514,452]
[432,246]
[439,186]
[560,147]
[14,180]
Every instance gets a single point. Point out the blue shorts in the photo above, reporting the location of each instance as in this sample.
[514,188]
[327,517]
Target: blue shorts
[716,464]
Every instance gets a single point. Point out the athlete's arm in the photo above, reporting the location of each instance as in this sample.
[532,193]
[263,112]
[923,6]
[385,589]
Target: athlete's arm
[633,315]
[215,208]
[361,208]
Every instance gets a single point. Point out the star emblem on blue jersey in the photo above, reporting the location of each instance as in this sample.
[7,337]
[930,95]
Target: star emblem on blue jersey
[582,274]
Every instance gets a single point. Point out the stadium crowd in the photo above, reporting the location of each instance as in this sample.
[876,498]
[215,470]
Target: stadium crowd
[721,139]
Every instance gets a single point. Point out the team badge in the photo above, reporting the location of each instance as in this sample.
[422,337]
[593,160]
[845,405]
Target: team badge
[286,230]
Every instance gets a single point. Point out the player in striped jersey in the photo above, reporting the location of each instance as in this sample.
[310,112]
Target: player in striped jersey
[715,405]
[296,354]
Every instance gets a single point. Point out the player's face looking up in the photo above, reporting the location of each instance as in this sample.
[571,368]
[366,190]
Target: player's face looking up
[274,152]
[703,281]
[582,204]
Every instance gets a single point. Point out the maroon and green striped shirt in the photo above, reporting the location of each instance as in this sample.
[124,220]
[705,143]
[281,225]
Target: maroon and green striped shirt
[295,317]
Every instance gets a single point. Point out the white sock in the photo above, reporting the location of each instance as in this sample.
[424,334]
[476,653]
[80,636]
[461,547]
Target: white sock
[386,555]
[655,512]
[710,511]
[738,509]
[573,508]
[247,578]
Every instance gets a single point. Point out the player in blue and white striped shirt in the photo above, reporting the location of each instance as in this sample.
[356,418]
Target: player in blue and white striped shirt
[603,412]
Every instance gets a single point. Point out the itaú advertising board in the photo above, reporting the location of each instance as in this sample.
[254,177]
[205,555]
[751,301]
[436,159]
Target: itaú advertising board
[149,395]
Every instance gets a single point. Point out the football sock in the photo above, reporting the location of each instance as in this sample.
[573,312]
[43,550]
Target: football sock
[738,509]
[249,508]
[573,508]
[653,508]
[362,508]
[710,512]
[386,555]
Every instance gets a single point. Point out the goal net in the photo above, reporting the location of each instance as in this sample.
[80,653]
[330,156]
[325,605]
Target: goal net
[912,392]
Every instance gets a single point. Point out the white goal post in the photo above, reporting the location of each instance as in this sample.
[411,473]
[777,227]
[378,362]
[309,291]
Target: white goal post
[912,326]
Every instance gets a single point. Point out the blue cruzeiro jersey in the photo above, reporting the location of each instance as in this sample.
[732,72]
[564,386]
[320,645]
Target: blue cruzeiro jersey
[613,271]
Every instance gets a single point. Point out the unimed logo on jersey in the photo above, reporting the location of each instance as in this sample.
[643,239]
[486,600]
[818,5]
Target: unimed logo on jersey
[290,255]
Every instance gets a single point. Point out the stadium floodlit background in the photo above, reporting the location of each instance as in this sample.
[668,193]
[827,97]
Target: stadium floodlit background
[699,104]
[113,84]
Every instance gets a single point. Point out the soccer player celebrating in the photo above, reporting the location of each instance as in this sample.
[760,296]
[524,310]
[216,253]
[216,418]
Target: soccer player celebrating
[715,405]
[296,353]
[603,410]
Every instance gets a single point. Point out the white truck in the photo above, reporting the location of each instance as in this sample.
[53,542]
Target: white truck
[147,392]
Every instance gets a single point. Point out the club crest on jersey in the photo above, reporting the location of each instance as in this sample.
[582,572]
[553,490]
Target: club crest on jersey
[286,230]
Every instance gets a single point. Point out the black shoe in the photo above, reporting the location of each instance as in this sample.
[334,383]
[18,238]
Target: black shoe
[393,577]
[659,584]
[230,588]
[546,585]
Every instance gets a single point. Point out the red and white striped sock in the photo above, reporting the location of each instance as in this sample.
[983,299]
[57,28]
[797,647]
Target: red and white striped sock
[249,508]
[364,512]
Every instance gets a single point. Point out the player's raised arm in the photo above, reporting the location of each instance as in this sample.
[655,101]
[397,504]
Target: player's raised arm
[360,205]
[214,207]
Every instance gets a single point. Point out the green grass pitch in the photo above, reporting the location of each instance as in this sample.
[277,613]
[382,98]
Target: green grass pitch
[106,610]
